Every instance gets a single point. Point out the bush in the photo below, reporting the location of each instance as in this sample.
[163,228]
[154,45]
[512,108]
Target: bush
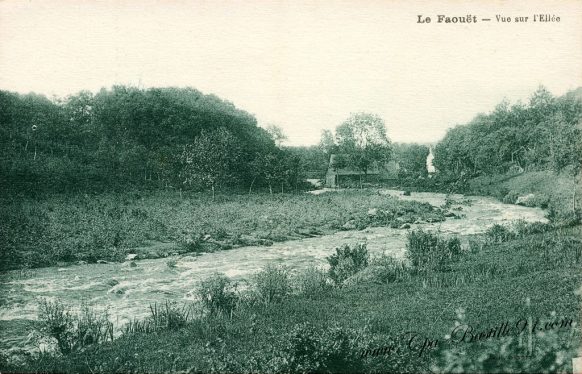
[347,261]
[312,282]
[72,332]
[523,228]
[334,349]
[190,243]
[272,284]
[393,269]
[218,294]
[499,234]
[381,270]
[538,200]
[427,251]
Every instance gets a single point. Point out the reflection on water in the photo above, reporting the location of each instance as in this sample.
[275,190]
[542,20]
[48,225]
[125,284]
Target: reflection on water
[127,291]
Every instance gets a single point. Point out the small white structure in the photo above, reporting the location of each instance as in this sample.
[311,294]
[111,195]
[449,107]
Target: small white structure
[429,165]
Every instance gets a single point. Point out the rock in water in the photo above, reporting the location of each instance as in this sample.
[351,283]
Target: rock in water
[130,264]
[131,256]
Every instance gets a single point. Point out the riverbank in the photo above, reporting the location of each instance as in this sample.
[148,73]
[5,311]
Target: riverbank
[560,194]
[66,229]
[501,280]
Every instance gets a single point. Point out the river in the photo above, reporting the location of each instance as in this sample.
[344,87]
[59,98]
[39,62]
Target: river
[126,291]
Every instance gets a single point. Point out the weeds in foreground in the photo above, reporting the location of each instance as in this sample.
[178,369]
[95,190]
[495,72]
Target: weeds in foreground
[218,294]
[427,251]
[313,283]
[72,332]
[499,234]
[393,270]
[170,316]
[272,284]
[347,261]
[334,349]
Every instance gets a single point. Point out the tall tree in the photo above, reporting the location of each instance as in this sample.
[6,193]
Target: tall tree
[411,159]
[363,140]
[327,142]
[211,159]
[276,133]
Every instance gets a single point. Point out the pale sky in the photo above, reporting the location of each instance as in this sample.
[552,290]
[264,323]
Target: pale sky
[303,65]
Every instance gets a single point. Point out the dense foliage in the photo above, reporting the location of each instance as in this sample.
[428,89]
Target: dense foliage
[544,134]
[128,136]
[411,158]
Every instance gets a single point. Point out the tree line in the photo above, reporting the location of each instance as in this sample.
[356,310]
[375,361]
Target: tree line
[126,137]
[179,138]
[543,134]
[172,138]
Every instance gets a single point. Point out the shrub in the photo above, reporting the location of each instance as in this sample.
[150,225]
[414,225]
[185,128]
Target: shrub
[381,270]
[393,269]
[344,269]
[427,251]
[539,200]
[565,219]
[347,261]
[523,228]
[335,349]
[272,284]
[499,234]
[192,243]
[218,294]
[72,332]
[312,282]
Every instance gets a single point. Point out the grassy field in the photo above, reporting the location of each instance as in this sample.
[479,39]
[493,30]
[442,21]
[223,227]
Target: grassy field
[69,228]
[526,277]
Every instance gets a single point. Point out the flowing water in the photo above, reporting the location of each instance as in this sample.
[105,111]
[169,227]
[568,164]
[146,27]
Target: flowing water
[126,291]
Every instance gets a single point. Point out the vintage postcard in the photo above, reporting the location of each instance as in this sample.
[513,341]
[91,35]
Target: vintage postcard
[371,186]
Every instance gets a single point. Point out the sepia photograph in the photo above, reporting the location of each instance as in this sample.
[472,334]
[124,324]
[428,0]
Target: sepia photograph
[278,186]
